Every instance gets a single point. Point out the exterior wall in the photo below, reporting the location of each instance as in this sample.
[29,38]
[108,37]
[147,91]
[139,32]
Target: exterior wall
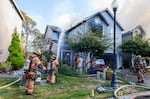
[54,48]
[48,33]
[126,37]
[80,29]
[55,36]
[85,25]
[138,31]
[118,37]
[110,31]
[51,35]
[99,24]
[10,19]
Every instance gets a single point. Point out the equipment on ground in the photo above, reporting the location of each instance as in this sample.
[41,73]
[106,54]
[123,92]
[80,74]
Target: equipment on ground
[100,89]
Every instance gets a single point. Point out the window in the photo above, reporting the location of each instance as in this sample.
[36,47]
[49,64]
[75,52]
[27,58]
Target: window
[95,24]
[97,20]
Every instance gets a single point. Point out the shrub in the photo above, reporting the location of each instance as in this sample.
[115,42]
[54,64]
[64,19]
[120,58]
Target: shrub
[15,52]
[48,55]
[5,65]
[66,70]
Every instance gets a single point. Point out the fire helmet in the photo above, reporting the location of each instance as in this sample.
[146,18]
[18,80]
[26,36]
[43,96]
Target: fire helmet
[37,52]
[139,56]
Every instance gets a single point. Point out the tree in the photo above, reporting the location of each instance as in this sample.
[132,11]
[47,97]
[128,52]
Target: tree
[15,53]
[38,40]
[93,42]
[28,28]
[88,42]
[136,46]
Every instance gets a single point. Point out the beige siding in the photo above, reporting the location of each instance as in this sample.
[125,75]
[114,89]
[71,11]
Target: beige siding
[9,20]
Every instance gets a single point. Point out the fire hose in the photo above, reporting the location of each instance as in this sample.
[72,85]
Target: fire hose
[117,90]
[11,83]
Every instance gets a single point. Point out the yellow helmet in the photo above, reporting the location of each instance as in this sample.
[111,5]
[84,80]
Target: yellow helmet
[38,52]
[139,56]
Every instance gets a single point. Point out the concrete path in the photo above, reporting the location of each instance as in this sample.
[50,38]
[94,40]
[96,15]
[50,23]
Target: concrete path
[13,74]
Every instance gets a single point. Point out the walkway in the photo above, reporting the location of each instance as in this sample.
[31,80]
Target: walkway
[13,74]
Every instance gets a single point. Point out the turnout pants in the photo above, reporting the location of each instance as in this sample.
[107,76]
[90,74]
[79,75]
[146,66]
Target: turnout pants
[30,80]
[140,76]
[52,76]
[29,86]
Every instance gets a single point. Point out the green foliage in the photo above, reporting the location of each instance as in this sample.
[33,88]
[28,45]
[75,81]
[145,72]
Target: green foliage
[15,52]
[123,80]
[67,87]
[88,42]
[48,55]
[38,40]
[28,19]
[5,65]
[136,46]
[4,81]
[66,70]
[27,31]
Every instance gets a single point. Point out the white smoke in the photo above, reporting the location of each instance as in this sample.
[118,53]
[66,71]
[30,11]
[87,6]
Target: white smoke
[133,13]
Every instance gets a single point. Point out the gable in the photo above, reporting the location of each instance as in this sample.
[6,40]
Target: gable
[102,17]
[111,16]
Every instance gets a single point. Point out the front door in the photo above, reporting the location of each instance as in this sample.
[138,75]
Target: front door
[66,57]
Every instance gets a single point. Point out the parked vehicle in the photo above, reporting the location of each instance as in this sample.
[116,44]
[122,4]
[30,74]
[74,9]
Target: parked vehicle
[97,65]
[100,65]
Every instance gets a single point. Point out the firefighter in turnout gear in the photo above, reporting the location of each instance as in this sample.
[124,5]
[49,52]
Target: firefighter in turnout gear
[31,73]
[53,70]
[139,68]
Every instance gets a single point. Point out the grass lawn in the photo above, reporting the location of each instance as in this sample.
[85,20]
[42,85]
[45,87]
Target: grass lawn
[67,87]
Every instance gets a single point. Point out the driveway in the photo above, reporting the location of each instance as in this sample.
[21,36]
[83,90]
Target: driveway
[131,76]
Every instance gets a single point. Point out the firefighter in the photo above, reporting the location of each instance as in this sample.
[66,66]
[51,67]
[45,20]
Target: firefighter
[31,73]
[139,68]
[80,64]
[53,70]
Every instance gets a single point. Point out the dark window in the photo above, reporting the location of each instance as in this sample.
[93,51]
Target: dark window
[94,26]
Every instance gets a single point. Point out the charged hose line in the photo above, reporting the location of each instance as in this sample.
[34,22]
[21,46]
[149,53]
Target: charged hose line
[11,83]
[116,91]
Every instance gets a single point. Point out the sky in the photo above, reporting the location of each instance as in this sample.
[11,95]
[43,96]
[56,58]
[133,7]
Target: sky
[66,13]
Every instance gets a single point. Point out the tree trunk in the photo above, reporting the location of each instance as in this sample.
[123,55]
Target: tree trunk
[26,48]
[88,61]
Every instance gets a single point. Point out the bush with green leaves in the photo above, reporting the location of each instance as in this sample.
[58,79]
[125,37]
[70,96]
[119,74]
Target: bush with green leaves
[15,53]
[48,55]
[66,70]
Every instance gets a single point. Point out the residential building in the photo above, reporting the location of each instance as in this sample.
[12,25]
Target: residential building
[51,36]
[11,18]
[138,31]
[102,19]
